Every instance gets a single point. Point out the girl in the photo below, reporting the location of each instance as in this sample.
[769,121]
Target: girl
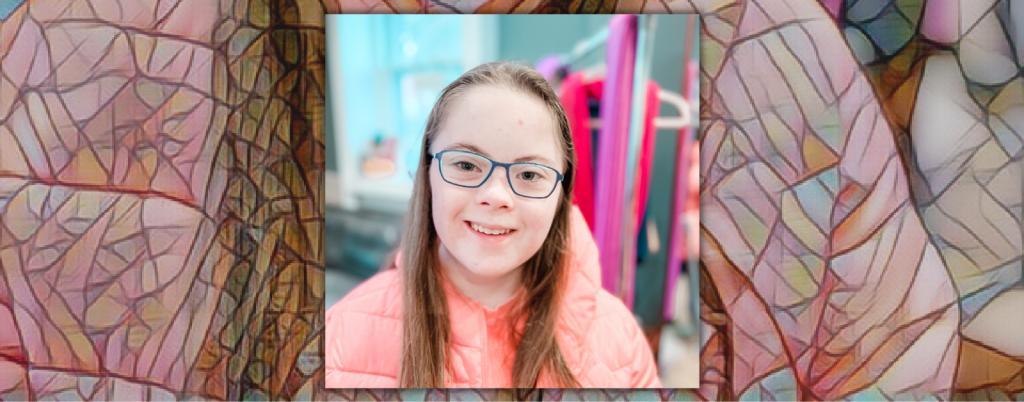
[497,283]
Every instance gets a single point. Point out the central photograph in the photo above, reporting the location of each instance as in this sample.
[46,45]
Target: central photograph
[512,202]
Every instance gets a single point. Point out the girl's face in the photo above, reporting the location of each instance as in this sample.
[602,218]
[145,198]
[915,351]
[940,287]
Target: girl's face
[505,126]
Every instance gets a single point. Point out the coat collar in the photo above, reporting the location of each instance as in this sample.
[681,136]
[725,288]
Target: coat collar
[579,302]
[578,307]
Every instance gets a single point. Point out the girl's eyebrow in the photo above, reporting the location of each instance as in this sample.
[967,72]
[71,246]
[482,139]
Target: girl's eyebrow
[537,158]
[474,148]
[467,147]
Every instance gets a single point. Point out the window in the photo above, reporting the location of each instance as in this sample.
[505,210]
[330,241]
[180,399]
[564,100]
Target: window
[384,74]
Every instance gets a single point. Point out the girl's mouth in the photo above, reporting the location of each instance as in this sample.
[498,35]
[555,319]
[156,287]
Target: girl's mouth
[489,232]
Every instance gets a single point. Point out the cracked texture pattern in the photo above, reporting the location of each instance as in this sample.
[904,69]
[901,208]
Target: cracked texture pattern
[161,207]
[861,200]
[861,204]
[955,96]
[160,199]
[821,263]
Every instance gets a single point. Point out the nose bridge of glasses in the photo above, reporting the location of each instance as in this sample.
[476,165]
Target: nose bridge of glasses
[503,173]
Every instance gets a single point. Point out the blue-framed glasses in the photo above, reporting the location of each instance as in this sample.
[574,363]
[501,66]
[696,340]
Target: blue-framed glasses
[471,170]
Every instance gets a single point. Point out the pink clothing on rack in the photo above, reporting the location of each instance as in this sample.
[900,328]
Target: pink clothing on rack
[693,206]
[600,185]
[612,147]
[646,160]
[574,100]
[548,66]
[575,93]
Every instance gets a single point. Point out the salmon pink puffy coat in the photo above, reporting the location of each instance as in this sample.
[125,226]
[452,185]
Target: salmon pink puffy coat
[598,336]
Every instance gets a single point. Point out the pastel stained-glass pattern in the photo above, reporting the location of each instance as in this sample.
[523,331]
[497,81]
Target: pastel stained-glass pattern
[161,209]
[161,206]
[955,96]
[861,204]
[861,198]
[821,266]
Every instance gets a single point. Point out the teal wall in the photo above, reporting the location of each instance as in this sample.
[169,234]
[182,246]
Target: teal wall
[531,37]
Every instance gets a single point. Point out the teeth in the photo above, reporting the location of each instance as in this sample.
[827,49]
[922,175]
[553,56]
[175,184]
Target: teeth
[484,230]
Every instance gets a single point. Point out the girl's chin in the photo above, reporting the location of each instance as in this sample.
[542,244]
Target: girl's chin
[489,268]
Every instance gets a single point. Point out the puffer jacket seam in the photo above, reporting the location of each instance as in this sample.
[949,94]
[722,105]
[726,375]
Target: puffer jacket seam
[621,335]
[366,373]
[379,316]
[385,287]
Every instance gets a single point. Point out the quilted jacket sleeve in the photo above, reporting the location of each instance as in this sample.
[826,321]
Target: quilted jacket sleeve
[644,369]
[332,351]
[352,357]
[363,336]
[620,345]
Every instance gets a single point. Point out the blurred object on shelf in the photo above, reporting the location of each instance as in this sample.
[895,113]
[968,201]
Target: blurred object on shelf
[378,159]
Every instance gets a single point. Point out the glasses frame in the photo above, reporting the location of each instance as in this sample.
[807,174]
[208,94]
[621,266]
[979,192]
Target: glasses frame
[494,164]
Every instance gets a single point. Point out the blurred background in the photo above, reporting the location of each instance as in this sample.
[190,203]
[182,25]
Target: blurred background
[384,73]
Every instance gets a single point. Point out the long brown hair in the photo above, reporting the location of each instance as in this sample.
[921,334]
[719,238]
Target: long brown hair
[426,325]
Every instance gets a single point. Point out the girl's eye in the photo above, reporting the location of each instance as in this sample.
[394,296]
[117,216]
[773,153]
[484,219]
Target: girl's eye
[465,166]
[528,175]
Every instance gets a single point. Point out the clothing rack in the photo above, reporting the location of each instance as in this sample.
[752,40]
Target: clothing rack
[588,45]
[668,123]
[628,41]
